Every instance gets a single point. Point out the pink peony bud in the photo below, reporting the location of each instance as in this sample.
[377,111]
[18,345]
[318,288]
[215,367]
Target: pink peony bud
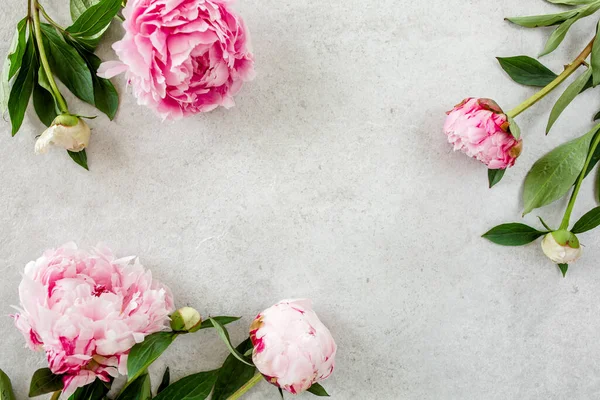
[85,310]
[292,348]
[480,129]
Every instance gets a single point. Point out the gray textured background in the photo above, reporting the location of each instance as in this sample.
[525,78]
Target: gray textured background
[331,180]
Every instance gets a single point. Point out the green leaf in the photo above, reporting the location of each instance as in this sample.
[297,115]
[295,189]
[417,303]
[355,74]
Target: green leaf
[513,234]
[233,374]
[43,102]
[513,127]
[22,88]
[588,222]
[16,56]
[527,71]
[6,390]
[139,389]
[106,98]
[545,224]
[80,158]
[94,21]
[535,21]
[96,390]
[318,390]
[597,116]
[595,156]
[567,97]
[68,65]
[166,380]
[553,175]
[571,2]
[225,337]
[495,176]
[559,34]
[595,59]
[222,320]
[563,268]
[78,7]
[143,354]
[44,381]
[193,387]
[280,393]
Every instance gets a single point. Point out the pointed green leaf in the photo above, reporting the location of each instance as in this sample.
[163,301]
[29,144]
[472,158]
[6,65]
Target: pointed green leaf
[318,390]
[6,390]
[552,176]
[563,268]
[595,59]
[106,97]
[43,382]
[513,234]
[513,127]
[16,56]
[567,97]
[588,222]
[22,88]
[78,7]
[222,320]
[571,2]
[68,66]
[233,374]
[80,158]
[143,354]
[96,390]
[166,380]
[139,389]
[527,71]
[193,387]
[535,21]
[95,19]
[495,176]
[558,36]
[225,337]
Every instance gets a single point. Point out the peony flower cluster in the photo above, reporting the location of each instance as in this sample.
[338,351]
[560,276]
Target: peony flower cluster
[480,129]
[292,348]
[87,309]
[183,57]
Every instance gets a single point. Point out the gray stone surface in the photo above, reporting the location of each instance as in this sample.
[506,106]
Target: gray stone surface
[331,180]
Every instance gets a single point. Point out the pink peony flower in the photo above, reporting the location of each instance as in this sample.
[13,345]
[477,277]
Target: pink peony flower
[480,129]
[87,309]
[183,57]
[292,347]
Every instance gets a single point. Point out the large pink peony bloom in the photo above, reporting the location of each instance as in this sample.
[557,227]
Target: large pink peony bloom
[183,56]
[87,309]
[292,347]
[480,129]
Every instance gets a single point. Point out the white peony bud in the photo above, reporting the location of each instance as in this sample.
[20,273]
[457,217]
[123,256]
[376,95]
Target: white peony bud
[562,247]
[186,319]
[66,131]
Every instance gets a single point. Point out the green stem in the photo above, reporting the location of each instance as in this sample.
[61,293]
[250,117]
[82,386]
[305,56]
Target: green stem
[49,19]
[44,59]
[55,395]
[579,61]
[588,160]
[247,386]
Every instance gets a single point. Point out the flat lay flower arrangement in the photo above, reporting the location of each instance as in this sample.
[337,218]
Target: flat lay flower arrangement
[97,317]
[481,129]
[180,58]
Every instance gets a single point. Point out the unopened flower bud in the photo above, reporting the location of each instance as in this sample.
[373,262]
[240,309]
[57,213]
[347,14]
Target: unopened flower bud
[562,247]
[67,131]
[186,319]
